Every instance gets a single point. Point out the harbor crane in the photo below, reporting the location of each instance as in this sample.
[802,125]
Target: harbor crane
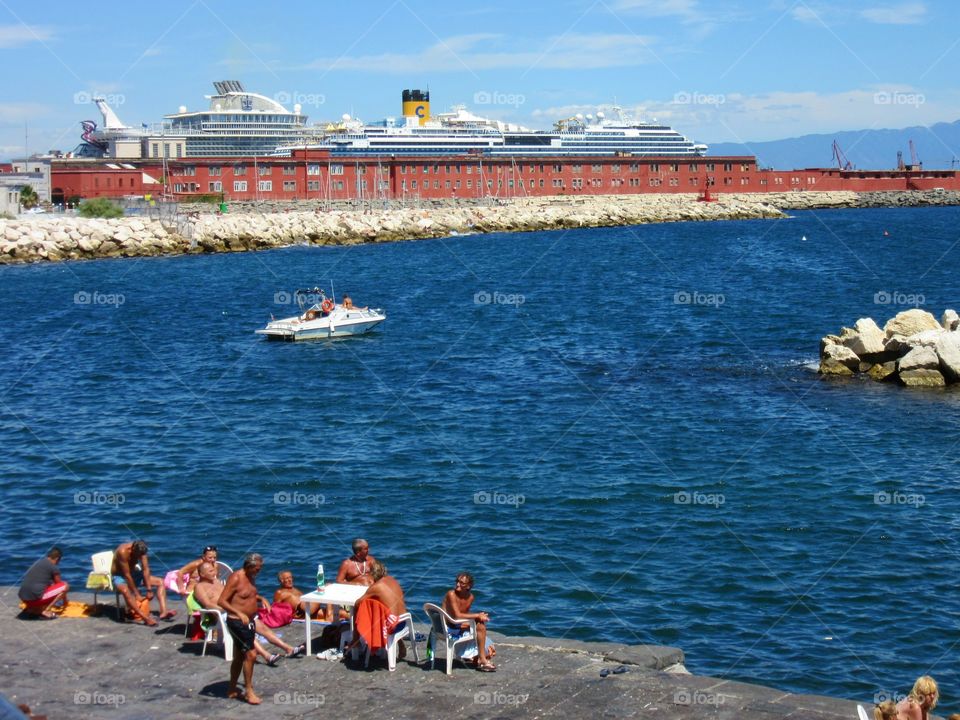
[840,158]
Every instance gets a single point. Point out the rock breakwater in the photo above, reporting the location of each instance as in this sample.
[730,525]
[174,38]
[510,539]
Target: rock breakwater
[70,238]
[912,348]
[261,226]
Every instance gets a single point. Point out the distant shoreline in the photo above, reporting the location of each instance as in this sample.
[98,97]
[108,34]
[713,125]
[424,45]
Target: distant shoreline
[197,229]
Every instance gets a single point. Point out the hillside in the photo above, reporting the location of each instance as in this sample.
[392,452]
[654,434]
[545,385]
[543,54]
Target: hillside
[936,146]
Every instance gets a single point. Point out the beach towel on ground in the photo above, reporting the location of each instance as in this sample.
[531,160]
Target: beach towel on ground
[280,614]
[375,623]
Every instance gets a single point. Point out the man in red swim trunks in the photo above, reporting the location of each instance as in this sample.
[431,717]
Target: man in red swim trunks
[42,587]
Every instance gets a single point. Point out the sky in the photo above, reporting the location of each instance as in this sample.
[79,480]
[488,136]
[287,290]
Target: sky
[716,70]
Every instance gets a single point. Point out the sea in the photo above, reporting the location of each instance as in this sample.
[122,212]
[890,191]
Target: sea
[620,432]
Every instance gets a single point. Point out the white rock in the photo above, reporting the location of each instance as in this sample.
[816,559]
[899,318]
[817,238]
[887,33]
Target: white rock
[950,320]
[911,322]
[866,338]
[920,358]
[948,350]
[838,360]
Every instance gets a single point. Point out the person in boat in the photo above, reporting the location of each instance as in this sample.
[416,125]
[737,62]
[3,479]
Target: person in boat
[127,579]
[347,304]
[921,700]
[457,603]
[357,569]
[207,594]
[187,576]
[42,586]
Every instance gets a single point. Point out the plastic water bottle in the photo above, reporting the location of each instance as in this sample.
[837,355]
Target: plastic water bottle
[320,580]
[430,647]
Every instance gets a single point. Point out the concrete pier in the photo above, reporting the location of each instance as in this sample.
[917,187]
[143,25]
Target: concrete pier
[99,668]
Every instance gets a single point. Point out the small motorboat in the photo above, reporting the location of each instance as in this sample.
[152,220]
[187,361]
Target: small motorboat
[323,318]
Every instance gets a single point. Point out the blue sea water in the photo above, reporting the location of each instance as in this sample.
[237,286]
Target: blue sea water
[619,431]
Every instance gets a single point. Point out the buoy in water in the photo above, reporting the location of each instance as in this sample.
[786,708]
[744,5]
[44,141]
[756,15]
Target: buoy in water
[804,238]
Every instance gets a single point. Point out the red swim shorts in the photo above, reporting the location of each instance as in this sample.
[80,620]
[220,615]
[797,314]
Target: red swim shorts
[49,594]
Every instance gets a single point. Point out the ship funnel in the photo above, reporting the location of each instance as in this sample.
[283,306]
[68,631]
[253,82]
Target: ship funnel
[416,103]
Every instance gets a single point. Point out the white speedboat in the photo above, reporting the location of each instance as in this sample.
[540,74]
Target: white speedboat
[323,318]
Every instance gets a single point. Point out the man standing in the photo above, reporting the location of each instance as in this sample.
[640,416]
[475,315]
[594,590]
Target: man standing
[239,599]
[127,578]
[42,587]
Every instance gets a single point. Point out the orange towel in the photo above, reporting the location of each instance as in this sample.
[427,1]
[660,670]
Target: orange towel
[374,622]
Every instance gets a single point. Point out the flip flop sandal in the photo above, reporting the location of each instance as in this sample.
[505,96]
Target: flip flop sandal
[298,651]
[621,670]
[272,662]
[488,667]
[604,672]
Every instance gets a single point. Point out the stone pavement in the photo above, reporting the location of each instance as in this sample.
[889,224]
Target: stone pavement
[99,668]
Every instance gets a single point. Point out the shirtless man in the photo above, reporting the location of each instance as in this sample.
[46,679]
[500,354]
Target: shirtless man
[457,604]
[127,579]
[239,599]
[386,589]
[347,304]
[207,594]
[355,570]
[289,594]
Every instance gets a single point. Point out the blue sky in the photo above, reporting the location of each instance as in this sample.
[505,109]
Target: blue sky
[717,71]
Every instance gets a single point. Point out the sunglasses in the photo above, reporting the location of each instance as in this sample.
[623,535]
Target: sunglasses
[208,548]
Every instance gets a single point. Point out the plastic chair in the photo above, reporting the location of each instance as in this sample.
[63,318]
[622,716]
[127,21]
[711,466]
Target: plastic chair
[393,641]
[225,637]
[223,572]
[459,647]
[862,713]
[101,580]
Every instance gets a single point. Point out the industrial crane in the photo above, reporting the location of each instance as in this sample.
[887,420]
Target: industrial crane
[840,158]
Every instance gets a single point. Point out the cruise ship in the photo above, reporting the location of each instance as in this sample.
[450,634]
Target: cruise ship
[461,132]
[237,123]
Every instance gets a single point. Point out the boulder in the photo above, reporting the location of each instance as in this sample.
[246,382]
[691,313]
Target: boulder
[839,360]
[950,320]
[883,371]
[948,351]
[920,358]
[865,339]
[922,378]
[910,322]
[828,340]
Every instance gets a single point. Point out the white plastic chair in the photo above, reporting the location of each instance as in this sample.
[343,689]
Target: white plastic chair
[862,713]
[393,642]
[459,647]
[223,572]
[101,580]
[221,627]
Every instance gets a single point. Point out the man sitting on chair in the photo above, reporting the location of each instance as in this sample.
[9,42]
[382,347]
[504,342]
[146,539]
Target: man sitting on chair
[42,587]
[457,604]
[127,578]
[387,590]
[289,594]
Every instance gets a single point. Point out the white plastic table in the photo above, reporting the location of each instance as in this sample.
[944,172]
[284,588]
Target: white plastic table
[340,594]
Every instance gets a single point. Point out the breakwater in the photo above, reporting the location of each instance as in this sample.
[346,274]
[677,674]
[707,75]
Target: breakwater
[912,348]
[257,227]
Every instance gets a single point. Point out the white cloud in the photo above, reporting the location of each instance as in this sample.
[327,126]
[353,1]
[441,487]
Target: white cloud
[804,13]
[572,51]
[12,36]
[908,13]
[684,9]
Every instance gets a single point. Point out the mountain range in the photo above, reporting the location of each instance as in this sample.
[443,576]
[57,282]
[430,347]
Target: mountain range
[937,147]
